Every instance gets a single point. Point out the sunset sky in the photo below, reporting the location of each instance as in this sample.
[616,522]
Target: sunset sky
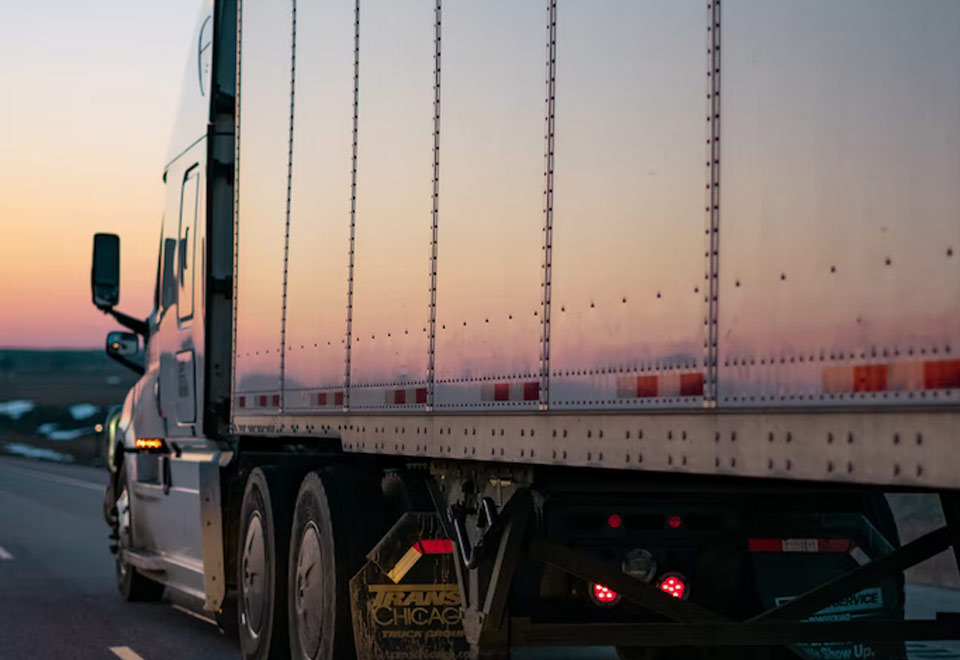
[89,92]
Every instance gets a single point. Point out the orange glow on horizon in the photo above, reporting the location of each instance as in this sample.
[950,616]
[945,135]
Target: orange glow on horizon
[90,95]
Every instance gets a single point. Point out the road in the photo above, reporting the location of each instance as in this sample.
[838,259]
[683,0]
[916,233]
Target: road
[58,600]
[57,594]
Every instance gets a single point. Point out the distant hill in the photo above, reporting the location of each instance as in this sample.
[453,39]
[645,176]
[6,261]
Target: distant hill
[62,377]
[16,359]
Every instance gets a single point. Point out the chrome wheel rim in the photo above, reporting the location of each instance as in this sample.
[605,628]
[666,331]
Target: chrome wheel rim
[308,599]
[253,576]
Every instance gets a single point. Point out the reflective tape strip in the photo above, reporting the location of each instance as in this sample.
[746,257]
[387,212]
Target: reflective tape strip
[859,555]
[662,385]
[941,375]
[258,401]
[845,546]
[436,546]
[417,550]
[893,377]
[525,391]
[905,376]
[406,397]
[330,398]
[668,384]
[800,545]
[402,567]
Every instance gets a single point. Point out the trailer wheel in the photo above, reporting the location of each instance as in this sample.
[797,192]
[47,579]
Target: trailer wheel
[335,523]
[262,567]
[132,585]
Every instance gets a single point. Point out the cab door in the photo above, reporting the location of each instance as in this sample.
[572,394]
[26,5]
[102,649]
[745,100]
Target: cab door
[176,497]
[181,377]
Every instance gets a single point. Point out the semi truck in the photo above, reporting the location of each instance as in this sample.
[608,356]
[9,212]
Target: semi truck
[488,326]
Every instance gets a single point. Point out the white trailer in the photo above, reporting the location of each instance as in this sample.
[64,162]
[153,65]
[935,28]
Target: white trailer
[511,320]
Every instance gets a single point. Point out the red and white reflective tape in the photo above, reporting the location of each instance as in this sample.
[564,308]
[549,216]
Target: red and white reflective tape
[329,398]
[660,385]
[893,377]
[406,397]
[846,546]
[417,550]
[258,401]
[527,391]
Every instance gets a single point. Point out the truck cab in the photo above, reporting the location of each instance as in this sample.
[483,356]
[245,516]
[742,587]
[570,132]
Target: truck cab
[163,449]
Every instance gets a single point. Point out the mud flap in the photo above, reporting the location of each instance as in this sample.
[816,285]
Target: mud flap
[786,568]
[406,596]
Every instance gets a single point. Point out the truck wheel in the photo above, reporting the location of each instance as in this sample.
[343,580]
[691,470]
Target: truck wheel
[335,523]
[262,567]
[130,583]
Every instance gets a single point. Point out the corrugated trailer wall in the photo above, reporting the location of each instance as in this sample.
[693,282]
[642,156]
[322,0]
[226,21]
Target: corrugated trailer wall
[840,203]
[524,206]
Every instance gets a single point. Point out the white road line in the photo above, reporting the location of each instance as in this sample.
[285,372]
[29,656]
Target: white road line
[124,653]
[68,481]
[4,554]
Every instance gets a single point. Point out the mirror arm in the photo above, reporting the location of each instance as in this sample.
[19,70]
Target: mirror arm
[129,364]
[137,325]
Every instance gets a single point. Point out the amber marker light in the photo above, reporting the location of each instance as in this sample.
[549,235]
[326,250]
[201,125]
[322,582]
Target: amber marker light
[149,444]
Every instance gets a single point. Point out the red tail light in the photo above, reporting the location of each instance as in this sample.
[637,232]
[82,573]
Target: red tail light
[602,595]
[673,584]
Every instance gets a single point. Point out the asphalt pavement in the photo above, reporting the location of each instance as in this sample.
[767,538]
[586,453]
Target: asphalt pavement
[58,599]
[57,593]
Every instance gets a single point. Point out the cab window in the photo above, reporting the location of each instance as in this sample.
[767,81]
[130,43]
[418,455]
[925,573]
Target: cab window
[187,242]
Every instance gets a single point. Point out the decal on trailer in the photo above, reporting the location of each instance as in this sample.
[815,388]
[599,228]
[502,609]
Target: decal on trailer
[851,607]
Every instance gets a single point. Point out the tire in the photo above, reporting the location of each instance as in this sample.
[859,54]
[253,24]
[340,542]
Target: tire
[131,584]
[336,521]
[262,567]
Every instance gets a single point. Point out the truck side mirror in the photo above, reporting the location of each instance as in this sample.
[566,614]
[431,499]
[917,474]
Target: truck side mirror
[123,344]
[105,274]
